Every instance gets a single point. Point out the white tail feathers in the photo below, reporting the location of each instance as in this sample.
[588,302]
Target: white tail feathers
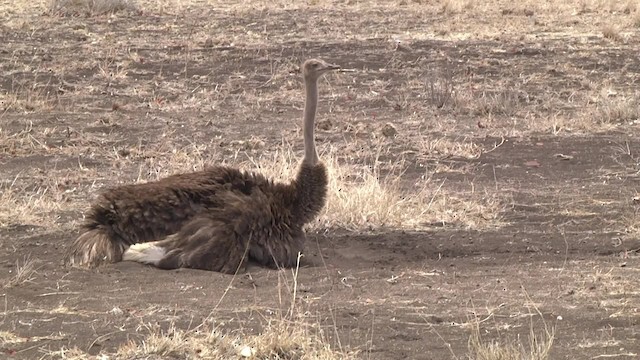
[146,253]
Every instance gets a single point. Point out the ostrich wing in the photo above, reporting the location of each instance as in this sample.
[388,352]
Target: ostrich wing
[219,239]
[205,243]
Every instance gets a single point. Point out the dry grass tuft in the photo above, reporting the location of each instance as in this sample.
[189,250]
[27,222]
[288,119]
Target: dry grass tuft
[70,354]
[90,7]
[180,343]
[443,147]
[440,90]
[279,340]
[294,340]
[636,20]
[33,204]
[612,33]
[24,142]
[286,336]
[504,102]
[537,346]
[614,108]
[631,221]
[168,159]
[22,273]
[449,7]
[361,197]
[28,98]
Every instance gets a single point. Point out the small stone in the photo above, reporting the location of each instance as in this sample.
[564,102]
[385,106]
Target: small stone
[116,311]
[254,144]
[325,125]
[246,352]
[389,130]
[124,152]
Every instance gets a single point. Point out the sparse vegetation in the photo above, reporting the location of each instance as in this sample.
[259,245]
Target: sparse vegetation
[535,346]
[439,148]
[90,7]
[23,272]
[28,97]
[37,204]
[278,340]
[440,90]
[537,349]
[362,198]
[455,6]
[496,103]
[286,335]
[612,33]
[614,108]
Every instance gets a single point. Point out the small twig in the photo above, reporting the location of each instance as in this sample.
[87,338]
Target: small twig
[495,146]
[60,293]
[102,337]
[566,251]
[495,178]
[295,283]
[435,194]
[32,347]
[614,355]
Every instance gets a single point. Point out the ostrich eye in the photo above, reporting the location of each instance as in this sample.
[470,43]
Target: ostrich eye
[315,65]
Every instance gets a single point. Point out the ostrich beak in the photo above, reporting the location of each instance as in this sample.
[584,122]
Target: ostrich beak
[329,67]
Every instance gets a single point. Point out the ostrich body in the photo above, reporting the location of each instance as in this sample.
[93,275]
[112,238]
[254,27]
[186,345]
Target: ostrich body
[213,219]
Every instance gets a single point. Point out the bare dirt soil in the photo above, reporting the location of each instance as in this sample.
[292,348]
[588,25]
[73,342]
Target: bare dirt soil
[543,107]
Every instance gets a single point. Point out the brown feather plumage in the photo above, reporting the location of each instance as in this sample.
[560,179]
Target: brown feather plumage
[216,219]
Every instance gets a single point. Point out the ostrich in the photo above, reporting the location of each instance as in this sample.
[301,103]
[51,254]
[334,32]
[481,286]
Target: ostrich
[214,219]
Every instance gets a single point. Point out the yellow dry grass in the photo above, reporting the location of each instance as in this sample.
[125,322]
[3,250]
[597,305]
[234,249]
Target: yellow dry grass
[537,346]
[361,197]
[286,335]
[28,206]
[90,7]
[23,272]
[40,198]
[279,340]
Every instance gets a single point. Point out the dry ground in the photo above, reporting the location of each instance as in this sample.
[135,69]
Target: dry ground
[485,157]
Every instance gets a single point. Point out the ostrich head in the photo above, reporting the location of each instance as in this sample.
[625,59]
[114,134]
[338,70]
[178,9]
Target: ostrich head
[312,69]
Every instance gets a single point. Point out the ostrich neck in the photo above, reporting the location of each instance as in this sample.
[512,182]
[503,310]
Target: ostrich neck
[310,106]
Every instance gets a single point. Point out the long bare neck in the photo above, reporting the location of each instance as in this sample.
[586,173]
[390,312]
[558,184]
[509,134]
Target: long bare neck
[310,106]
